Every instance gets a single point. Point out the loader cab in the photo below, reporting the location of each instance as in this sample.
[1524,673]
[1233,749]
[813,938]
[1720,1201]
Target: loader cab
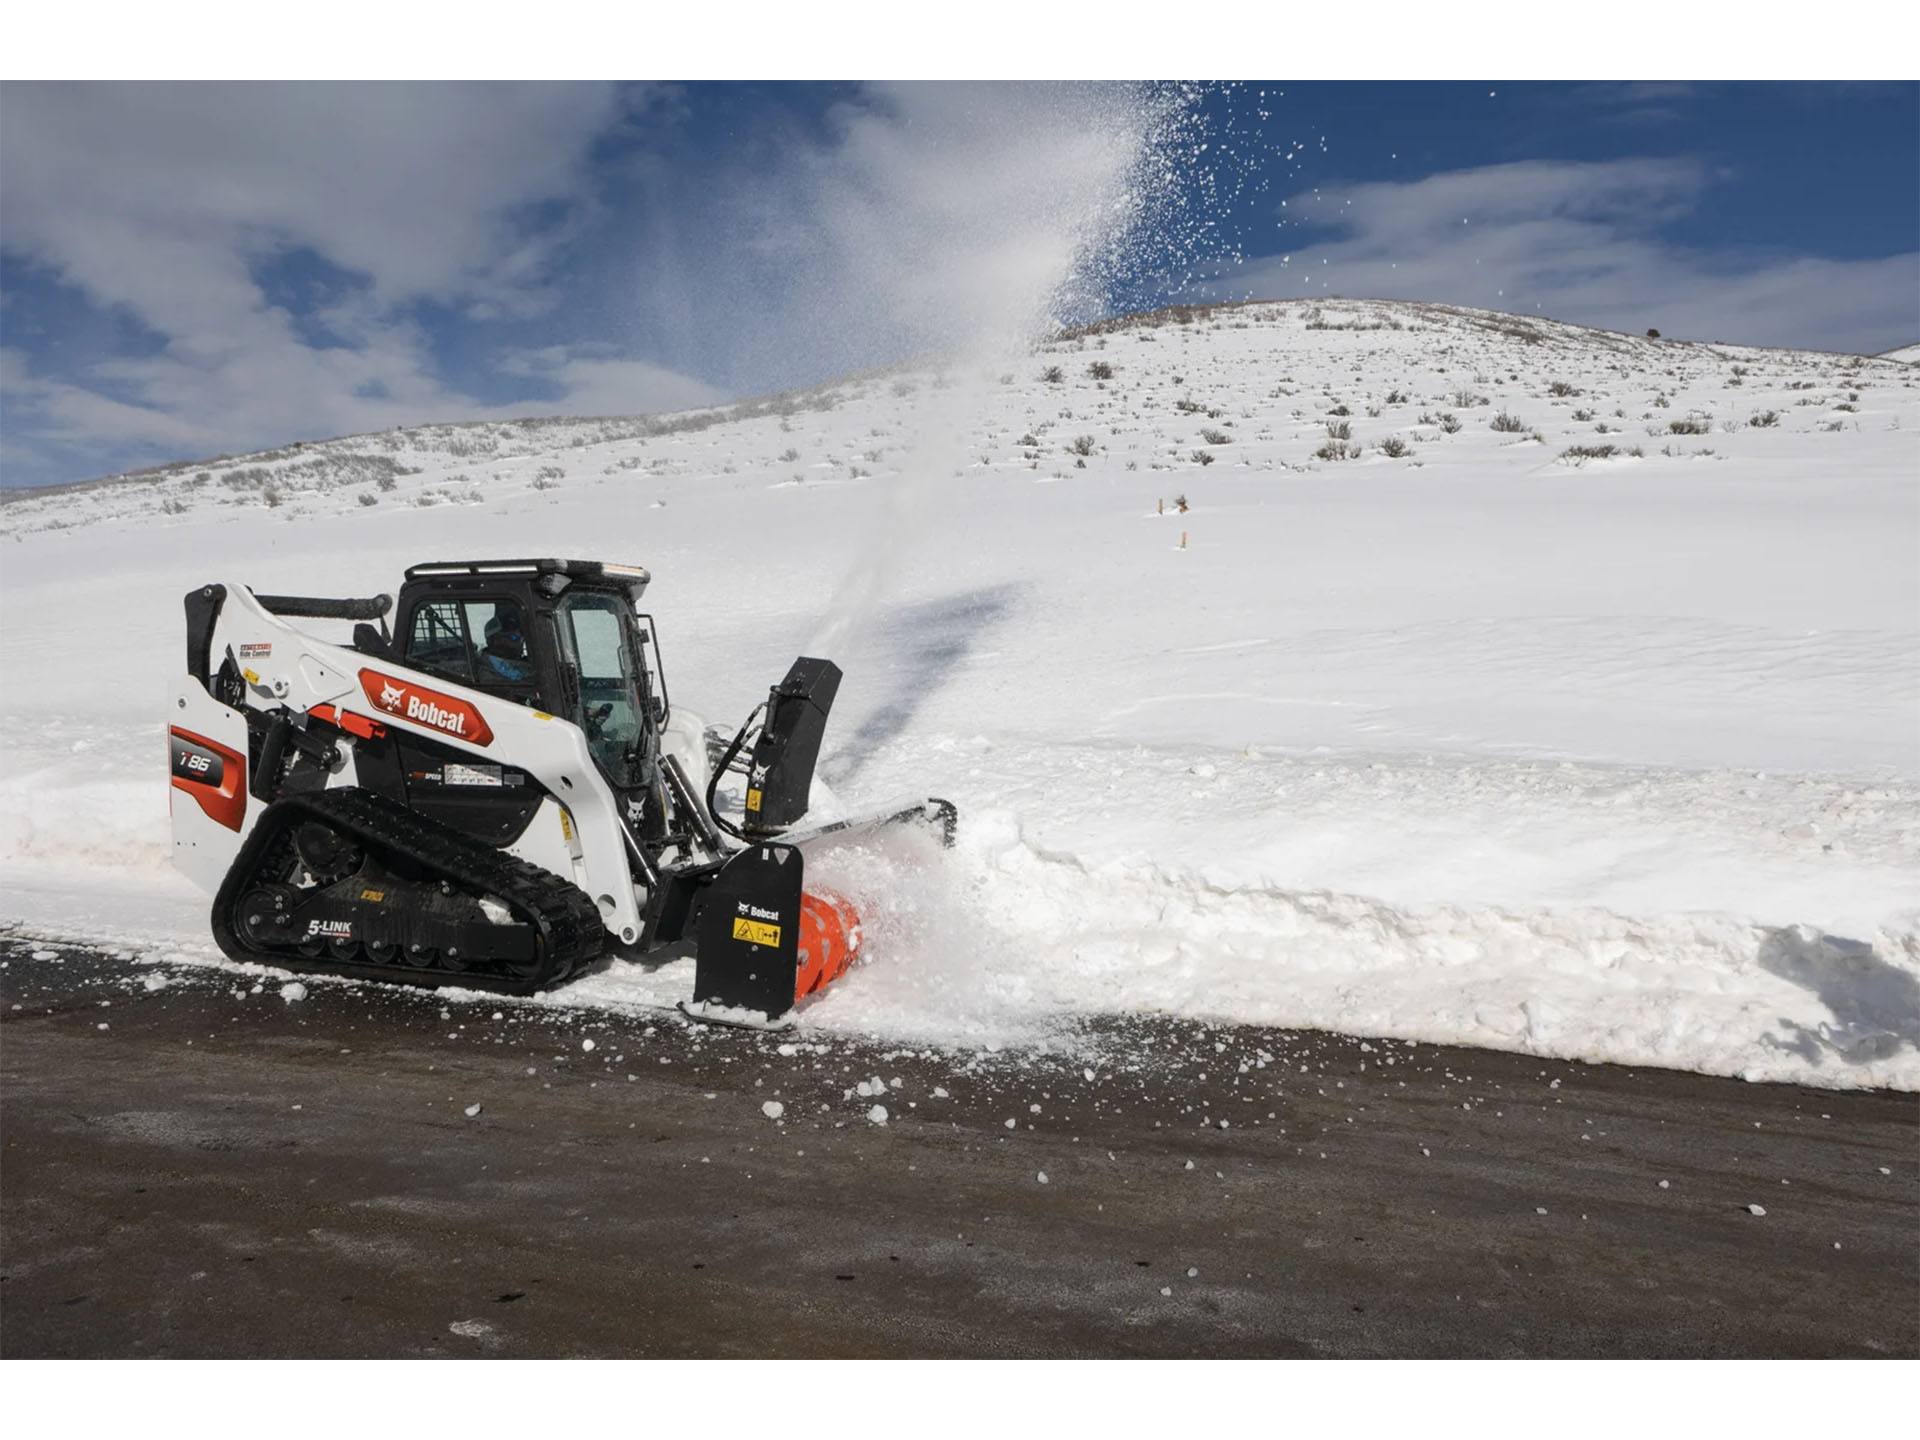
[557,635]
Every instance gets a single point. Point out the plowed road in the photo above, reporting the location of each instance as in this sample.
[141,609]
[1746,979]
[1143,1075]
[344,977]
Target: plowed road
[203,1169]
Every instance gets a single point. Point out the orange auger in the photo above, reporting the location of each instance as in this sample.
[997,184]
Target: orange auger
[829,941]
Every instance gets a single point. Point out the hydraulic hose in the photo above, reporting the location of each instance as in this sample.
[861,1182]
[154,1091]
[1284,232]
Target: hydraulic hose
[726,760]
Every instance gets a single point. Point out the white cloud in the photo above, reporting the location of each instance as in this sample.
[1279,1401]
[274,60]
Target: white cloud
[1582,242]
[161,202]
[594,381]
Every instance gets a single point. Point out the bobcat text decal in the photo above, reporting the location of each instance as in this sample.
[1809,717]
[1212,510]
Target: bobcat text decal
[407,701]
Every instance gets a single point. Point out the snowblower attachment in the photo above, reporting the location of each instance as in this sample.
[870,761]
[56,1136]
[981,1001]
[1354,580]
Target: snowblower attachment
[764,942]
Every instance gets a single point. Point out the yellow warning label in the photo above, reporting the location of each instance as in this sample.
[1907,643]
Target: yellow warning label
[376,896]
[253,677]
[566,825]
[753,799]
[756,932]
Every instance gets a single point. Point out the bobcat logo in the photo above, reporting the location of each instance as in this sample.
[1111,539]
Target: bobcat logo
[406,700]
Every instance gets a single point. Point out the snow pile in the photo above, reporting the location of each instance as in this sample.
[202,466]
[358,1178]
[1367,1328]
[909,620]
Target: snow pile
[1516,684]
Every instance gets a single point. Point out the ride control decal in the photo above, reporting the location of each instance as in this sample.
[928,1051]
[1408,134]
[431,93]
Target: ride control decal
[448,714]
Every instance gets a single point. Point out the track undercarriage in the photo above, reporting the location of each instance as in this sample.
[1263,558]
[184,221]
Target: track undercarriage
[345,882]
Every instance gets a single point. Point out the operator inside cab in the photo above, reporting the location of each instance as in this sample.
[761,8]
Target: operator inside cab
[506,652]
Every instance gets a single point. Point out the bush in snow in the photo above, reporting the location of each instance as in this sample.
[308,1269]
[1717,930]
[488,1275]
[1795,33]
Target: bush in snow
[1053,375]
[1100,370]
[1508,424]
[1083,445]
[1216,437]
[1394,448]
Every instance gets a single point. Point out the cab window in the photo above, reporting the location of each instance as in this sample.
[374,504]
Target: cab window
[596,643]
[437,641]
[476,642]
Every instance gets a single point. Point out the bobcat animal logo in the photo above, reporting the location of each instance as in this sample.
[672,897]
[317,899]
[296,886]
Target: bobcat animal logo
[391,695]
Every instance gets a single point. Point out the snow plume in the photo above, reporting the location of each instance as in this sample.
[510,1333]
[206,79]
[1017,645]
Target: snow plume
[971,221]
[964,219]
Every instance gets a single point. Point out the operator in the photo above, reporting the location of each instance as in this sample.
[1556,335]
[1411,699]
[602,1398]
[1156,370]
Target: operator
[506,652]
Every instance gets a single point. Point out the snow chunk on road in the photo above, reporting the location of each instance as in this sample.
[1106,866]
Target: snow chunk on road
[773,1109]
[293,991]
[878,1114]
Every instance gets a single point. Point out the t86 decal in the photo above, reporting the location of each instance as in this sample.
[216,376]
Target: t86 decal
[209,772]
[448,714]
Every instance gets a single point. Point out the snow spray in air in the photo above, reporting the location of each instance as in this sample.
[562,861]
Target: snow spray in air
[969,222]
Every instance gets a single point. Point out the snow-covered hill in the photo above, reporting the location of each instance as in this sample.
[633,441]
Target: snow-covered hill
[1502,682]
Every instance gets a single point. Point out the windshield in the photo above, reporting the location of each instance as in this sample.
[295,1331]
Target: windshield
[596,642]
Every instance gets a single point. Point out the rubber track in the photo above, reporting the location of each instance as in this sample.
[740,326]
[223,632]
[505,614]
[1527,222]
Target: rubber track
[568,923]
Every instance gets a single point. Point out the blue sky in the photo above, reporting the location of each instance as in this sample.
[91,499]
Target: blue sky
[194,269]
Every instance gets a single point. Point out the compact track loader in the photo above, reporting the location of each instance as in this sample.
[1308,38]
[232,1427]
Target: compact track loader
[497,792]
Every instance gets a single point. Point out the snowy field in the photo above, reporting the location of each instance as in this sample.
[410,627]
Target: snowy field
[1504,683]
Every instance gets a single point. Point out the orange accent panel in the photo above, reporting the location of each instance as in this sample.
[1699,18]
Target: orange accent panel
[349,721]
[224,800]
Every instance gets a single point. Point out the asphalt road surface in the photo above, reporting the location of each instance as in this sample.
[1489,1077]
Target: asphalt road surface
[190,1166]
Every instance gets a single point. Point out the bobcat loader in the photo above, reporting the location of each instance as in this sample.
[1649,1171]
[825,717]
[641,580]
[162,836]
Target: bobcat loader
[497,792]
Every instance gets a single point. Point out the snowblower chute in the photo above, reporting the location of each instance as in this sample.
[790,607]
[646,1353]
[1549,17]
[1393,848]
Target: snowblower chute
[497,792]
